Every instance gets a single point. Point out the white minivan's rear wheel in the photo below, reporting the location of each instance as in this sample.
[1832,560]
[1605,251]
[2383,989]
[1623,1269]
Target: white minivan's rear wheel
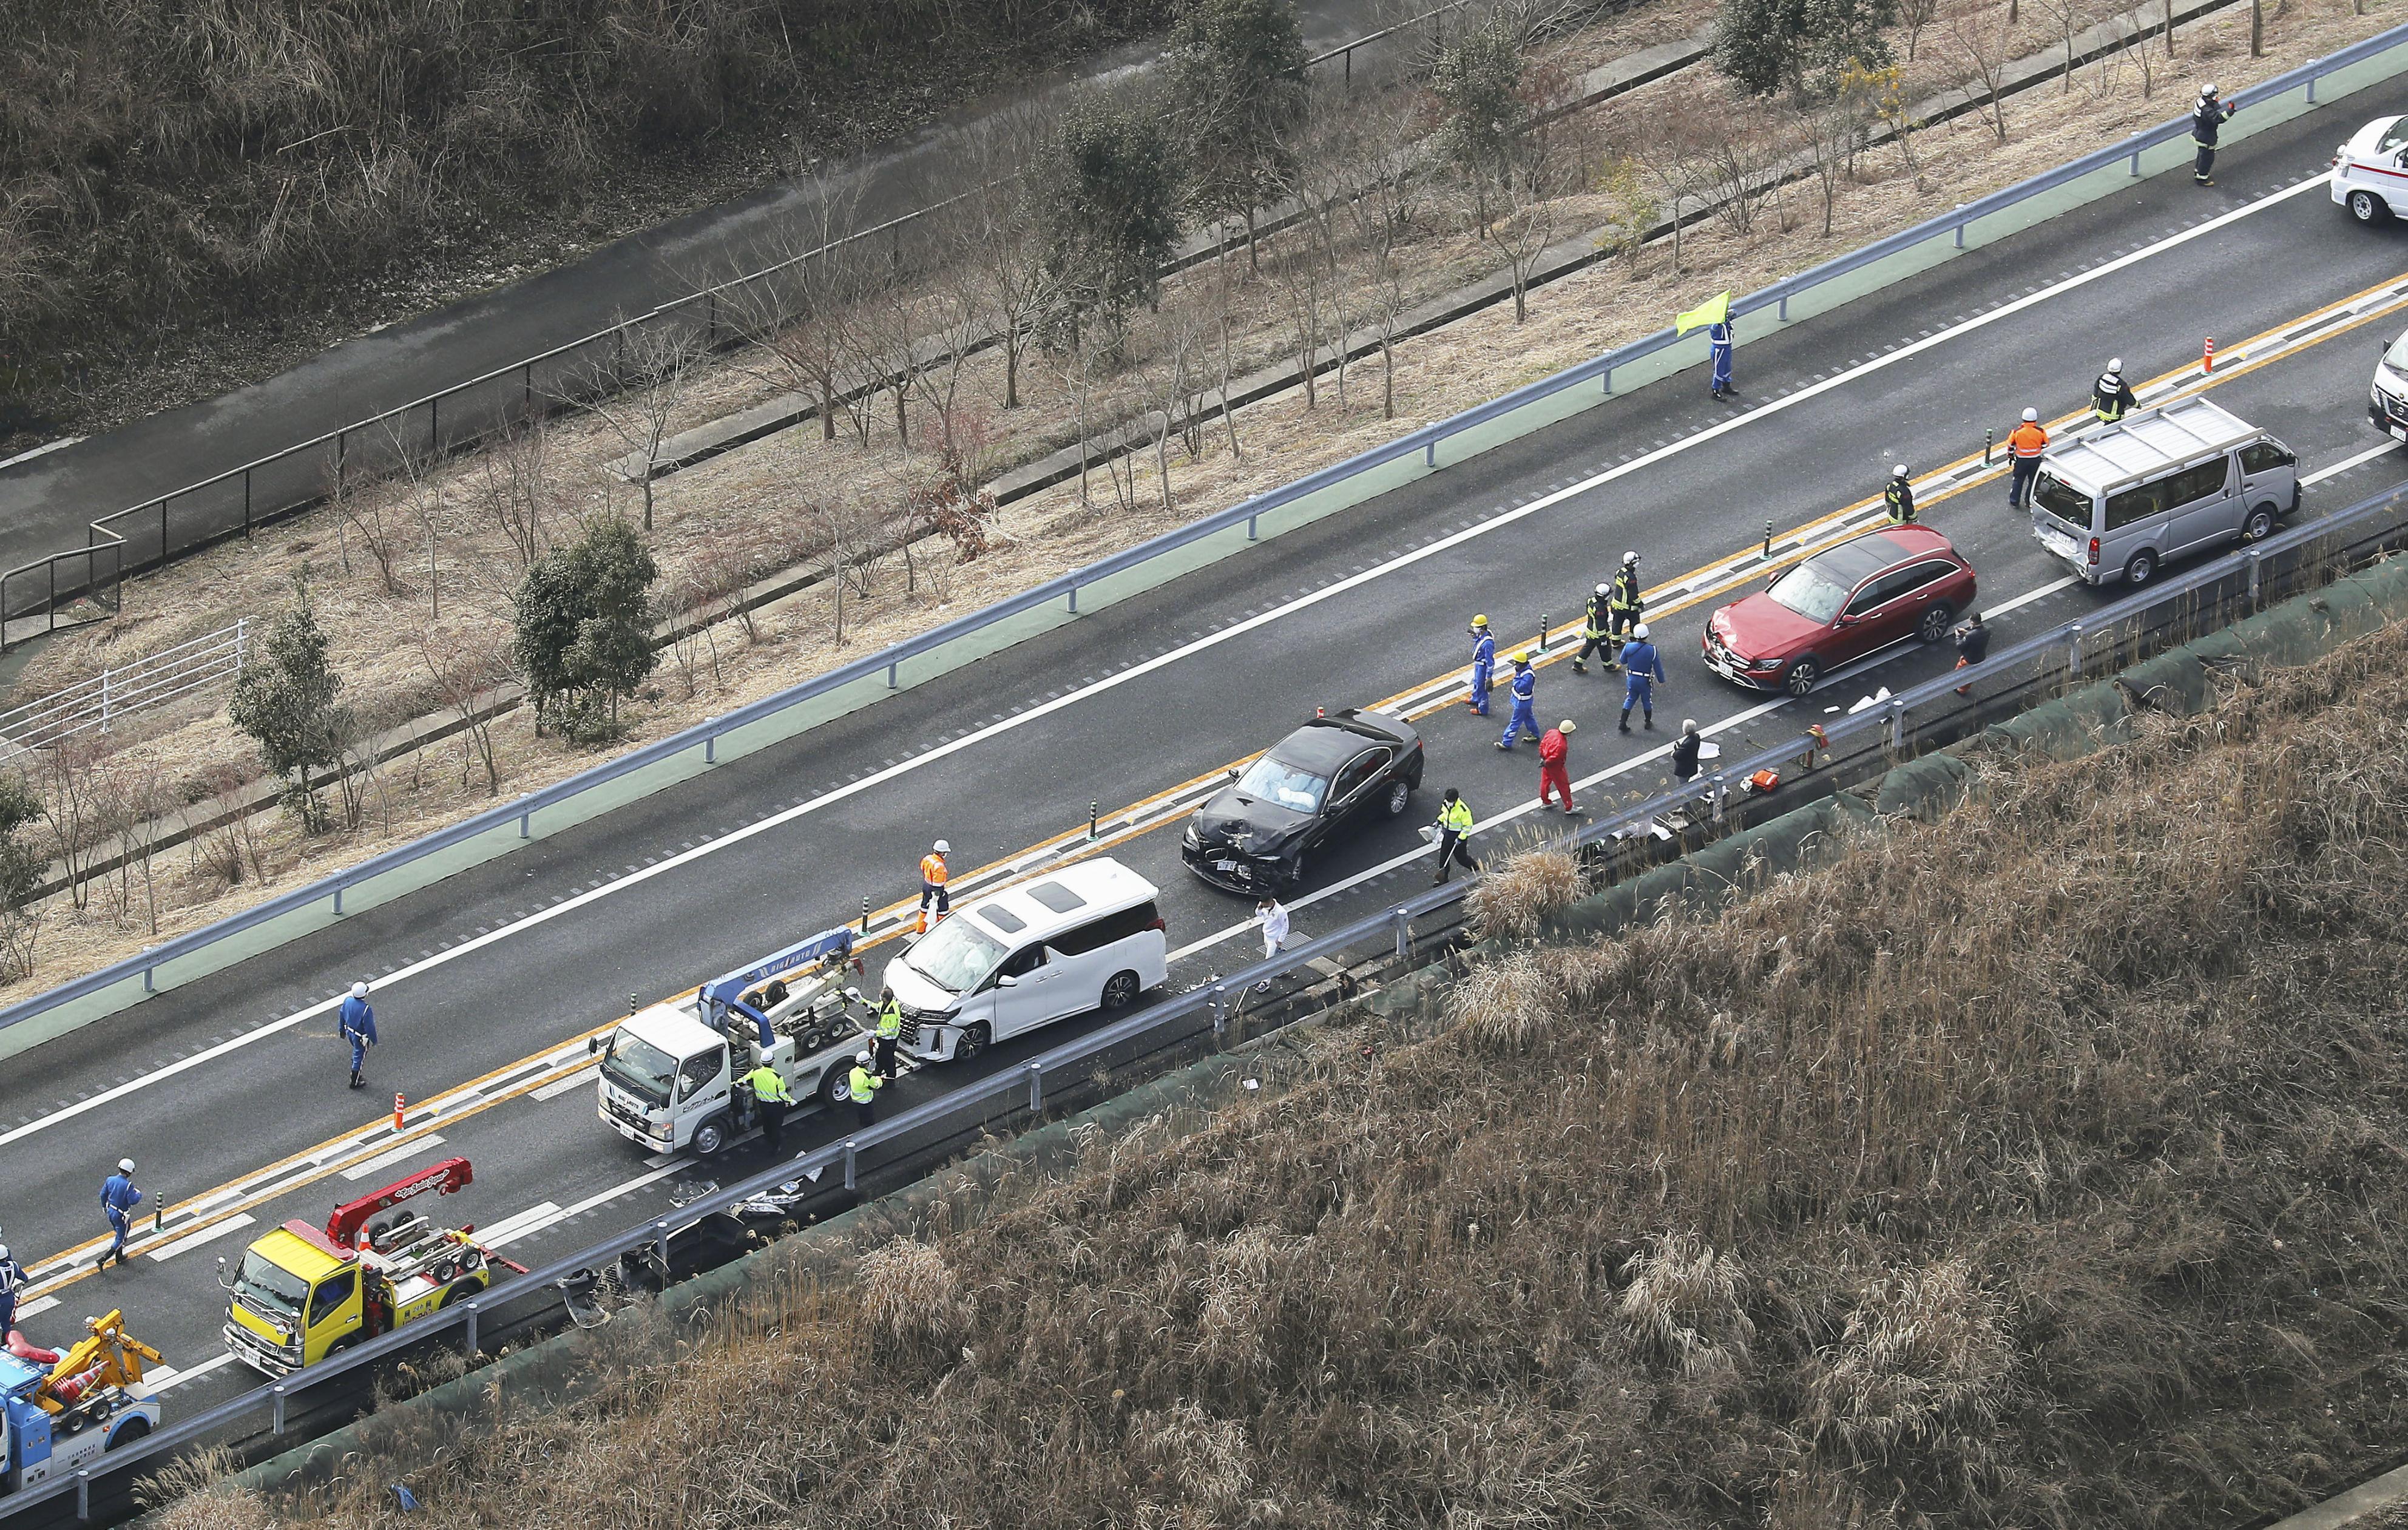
[2367,207]
[1121,991]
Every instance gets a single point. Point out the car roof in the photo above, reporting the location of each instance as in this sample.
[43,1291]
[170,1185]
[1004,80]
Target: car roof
[1860,558]
[1326,743]
[1063,897]
[2153,442]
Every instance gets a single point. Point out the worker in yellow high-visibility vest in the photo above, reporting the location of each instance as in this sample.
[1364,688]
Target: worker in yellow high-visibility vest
[890,1030]
[863,1086]
[769,1091]
[932,884]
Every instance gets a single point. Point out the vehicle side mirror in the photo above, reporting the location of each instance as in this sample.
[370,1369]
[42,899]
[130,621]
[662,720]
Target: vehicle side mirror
[1847,619]
[225,1277]
[1233,772]
[1007,981]
[593,1046]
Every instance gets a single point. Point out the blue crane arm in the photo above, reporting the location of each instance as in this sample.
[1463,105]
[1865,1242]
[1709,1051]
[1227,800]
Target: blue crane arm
[722,996]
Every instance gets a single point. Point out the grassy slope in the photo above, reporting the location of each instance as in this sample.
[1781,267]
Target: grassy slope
[2038,1167]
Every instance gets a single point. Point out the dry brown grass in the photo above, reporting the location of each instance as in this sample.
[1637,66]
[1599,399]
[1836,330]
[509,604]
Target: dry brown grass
[752,501]
[1522,889]
[2038,1167]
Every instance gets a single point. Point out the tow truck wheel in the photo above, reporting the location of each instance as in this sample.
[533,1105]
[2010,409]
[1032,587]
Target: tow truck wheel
[350,1342]
[127,1433]
[2367,207]
[462,1291]
[973,1041]
[709,1138]
[836,1085]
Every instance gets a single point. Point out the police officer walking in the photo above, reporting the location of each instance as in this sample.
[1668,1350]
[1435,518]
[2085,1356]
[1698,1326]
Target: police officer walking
[1525,691]
[1594,632]
[2025,446]
[1646,672]
[890,1030]
[357,1025]
[1483,663]
[1899,498]
[13,1280]
[1719,340]
[2205,121]
[769,1091]
[1454,838]
[118,1197]
[2110,396]
[865,1086]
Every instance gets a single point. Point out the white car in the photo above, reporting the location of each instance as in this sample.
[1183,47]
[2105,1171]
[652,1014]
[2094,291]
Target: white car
[2387,403]
[2370,173]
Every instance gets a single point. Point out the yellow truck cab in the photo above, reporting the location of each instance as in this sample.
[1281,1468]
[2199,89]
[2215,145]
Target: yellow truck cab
[301,1293]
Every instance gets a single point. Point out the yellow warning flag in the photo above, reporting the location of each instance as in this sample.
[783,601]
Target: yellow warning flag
[1714,310]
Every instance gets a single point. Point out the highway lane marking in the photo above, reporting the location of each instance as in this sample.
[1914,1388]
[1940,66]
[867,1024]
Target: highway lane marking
[207,1234]
[569,1082]
[35,1308]
[540,1219]
[1470,532]
[496,1234]
[391,1156]
[172,1376]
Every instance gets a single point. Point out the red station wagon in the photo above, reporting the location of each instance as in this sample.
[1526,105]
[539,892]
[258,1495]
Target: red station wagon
[1840,604]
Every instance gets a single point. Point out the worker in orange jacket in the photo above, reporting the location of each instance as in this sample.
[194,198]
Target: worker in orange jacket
[2025,446]
[1554,768]
[932,884]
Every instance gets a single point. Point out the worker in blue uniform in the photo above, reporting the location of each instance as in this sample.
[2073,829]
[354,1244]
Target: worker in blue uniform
[358,1027]
[13,1280]
[1525,691]
[118,1197]
[1483,663]
[1647,671]
[1719,338]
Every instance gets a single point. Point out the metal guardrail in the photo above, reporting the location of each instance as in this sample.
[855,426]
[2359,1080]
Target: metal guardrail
[98,700]
[240,499]
[2199,598]
[1424,442]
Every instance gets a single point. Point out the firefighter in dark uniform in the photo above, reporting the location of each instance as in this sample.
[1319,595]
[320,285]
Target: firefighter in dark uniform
[1595,632]
[2110,396]
[2210,115]
[1624,606]
[1899,498]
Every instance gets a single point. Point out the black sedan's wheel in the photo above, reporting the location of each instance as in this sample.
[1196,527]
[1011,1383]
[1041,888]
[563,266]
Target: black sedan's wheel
[1802,676]
[1934,626]
[1400,796]
[2367,207]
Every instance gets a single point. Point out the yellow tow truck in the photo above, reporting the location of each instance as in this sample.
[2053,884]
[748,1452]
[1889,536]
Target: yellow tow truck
[302,1293]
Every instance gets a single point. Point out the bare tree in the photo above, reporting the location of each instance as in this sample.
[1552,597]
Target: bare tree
[514,491]
[463,672]
[799,314]
[1983,45]
[1380,219]
[1835,128]
[369,509]
[2070,17]
[1002,245]
[1672,142]
[643,389]
[1916,15]
[74,810]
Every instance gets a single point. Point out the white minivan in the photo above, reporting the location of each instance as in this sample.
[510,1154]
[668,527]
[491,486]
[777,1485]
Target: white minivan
[1087,936]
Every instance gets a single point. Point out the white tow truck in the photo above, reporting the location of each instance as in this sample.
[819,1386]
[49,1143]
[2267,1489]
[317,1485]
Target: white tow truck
[671,1075]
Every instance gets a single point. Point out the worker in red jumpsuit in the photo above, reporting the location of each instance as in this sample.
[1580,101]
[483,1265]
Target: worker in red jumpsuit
[1554,773]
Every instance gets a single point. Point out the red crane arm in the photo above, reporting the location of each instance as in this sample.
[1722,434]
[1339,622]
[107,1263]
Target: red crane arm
[343,1227]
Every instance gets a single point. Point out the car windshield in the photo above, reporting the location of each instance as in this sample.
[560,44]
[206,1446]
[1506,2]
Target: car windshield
[1269,780]
[1809,592]
[270,1286]
[640,1067]
[2395,137]
[957,956]
[2068,503]
[2397,357]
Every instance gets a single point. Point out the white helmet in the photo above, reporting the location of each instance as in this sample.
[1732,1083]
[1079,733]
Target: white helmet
[1604,588]
[1639,632]
[1898,472]
[2206,93]
[1629,558]
[2116,364]
[359,990]
[944,846]
[4,1253]
[2031,417]
[862,1058]
[125,1165]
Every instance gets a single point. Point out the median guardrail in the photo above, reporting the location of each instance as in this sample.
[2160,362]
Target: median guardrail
[2179,608]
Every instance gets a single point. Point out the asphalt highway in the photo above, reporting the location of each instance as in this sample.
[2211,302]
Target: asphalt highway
[230,1092]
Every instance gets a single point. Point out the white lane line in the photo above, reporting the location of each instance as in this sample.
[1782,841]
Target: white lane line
[515,1224]
[536,1220]
[207,1234]
[35,1308]
[170,1375]
[385,1160]
[1138,671]
[581,1078]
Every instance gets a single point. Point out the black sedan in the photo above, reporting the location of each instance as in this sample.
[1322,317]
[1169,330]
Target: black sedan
[1256,832]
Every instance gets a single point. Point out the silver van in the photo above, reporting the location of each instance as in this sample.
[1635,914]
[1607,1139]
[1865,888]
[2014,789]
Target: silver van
[2118,502]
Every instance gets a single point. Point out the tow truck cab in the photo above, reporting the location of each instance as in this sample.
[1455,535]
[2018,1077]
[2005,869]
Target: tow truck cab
[670,1074]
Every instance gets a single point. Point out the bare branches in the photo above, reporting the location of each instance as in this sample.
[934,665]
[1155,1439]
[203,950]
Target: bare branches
[1984,44]
[463,672]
